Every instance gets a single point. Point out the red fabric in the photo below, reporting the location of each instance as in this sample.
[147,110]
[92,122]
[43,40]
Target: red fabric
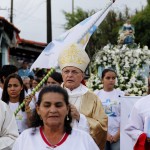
[142,143]
[83,82]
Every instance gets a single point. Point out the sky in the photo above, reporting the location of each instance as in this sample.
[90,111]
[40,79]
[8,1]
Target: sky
[30,15]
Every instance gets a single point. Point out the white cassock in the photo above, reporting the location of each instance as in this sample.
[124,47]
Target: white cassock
[139,113]
[8,127]
[77,140]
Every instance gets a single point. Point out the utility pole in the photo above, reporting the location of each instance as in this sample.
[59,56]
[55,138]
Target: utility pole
[72,6]
[11,11]
[49,22]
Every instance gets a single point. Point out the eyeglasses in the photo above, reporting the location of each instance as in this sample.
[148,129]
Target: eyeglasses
[73,72]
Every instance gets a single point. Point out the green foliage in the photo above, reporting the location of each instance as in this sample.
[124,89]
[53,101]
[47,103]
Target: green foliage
[141,23]
[73,19]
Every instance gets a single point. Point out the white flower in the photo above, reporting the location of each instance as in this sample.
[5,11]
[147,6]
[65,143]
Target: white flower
[127,63]
[106,47]
[104,58]
[145,48]
[135,90]
[140,93]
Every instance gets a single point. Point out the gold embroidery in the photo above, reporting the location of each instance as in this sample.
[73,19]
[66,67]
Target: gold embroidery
[85,39]
[72,55]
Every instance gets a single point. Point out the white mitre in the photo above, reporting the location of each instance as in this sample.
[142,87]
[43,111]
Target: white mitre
[73,55]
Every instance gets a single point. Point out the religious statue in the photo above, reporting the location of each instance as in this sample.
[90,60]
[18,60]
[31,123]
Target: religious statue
[126,34]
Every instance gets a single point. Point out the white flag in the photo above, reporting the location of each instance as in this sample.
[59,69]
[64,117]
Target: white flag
[80,34]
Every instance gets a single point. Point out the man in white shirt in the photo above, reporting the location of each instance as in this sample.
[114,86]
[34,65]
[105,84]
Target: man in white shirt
[8,127]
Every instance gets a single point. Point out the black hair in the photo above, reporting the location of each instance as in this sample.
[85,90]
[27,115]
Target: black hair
[7,70]
[37,80]
[108,70]
[31,77]
[36,121]
[25,61]
[5,96]
[40,73]
[57,77]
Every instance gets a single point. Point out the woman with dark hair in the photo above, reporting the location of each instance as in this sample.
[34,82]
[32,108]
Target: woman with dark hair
[4,72]
[55,78]
[13,94]
[51,125]
[110,100]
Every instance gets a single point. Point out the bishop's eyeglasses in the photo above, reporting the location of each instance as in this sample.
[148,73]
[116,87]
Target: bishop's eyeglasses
[73,72]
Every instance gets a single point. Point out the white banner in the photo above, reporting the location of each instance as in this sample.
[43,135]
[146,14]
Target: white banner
[127,103]
[79,34]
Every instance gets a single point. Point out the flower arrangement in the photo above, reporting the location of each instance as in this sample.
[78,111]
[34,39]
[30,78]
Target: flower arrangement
[131,65]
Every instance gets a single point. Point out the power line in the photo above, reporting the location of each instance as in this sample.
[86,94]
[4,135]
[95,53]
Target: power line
[31,13]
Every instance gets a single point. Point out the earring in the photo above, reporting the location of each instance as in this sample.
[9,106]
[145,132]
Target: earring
[67,118]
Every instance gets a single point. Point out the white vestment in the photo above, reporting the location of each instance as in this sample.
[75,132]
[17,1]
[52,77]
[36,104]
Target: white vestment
[77,140]
[139,113]
[8,127]
[75,99]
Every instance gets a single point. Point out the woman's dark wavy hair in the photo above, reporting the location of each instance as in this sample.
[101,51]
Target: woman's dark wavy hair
[36,121]
[108,70]
[5,96]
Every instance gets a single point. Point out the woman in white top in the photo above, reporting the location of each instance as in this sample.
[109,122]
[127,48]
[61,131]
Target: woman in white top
[51,125]
[110,101]
[13,94]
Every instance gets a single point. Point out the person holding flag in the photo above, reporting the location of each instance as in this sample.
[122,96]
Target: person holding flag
[51,125]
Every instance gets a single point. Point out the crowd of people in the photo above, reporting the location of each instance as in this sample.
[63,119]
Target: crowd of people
[64,114]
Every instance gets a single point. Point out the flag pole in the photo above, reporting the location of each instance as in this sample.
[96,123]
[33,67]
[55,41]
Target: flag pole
[34,90]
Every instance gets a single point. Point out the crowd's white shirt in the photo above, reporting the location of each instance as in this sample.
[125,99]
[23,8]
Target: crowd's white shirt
[21,117]
[77,140]
[111,105]
[8,127]
[136,122]
[75,98]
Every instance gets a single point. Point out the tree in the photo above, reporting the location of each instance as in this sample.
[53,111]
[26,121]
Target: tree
[141,22]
